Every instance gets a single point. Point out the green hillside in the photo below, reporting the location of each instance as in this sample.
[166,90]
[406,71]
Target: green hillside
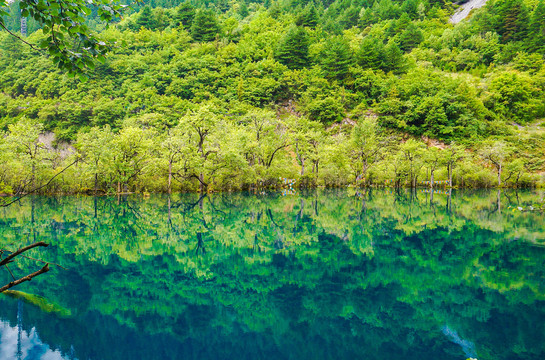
[224,95]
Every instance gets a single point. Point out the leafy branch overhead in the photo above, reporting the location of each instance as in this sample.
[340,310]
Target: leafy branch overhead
[72,46]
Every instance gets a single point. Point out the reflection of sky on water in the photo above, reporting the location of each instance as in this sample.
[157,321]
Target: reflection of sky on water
[16,343]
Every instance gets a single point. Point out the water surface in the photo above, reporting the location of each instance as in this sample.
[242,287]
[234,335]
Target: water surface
[319,275]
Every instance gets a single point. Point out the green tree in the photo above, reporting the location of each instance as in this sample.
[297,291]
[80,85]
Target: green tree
[145,19]
[293,48]
[309,17]
[132,149]
[205,26]
[336,58]
[23,139]
[95,147]
[412,152]
[393,58]
[366,147]
[371,53]
[454,154]
[496,152]
[433,159]
[410,38]
[185,14]
[536,29]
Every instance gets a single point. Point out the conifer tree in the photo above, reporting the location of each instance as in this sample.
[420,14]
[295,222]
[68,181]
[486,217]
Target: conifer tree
[336,58]
[145,19]
[350,17]
[536,30]
[513,24]
[393,58]
[243,11]
[310,16]
[410,38]
[370,53]
[185,14]
[205,26]
[293,48]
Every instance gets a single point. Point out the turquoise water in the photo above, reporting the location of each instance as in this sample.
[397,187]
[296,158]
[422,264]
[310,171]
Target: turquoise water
[318,275]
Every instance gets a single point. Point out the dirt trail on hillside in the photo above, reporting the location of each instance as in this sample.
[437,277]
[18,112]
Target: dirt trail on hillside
[464,10]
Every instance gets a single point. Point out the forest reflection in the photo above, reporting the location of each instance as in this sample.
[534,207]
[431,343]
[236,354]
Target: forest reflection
[381,273]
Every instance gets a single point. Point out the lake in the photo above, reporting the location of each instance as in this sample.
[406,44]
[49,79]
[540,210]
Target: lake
[327,274]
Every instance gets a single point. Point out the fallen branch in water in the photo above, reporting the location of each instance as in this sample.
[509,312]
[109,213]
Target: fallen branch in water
[11,258]
[25,278]
[20,251]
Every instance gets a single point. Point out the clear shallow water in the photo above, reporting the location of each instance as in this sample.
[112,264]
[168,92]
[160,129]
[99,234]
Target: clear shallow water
[322,275]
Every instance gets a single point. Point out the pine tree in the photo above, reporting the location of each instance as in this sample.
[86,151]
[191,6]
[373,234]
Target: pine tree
[145,19]
[185,15]
[536,29]
[393,58]
[243,11]
[336,58]
[310,16]
[410,38]
[205,26]
[513,20]
[293,48]
[370,53]
[350,17]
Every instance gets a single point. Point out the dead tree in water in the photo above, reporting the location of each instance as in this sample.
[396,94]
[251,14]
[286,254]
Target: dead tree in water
[12,255]
[11,258]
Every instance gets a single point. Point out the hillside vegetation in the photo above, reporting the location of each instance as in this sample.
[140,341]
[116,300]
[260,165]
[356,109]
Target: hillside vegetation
[217,95]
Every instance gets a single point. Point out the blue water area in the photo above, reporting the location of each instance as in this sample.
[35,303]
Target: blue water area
[331,274]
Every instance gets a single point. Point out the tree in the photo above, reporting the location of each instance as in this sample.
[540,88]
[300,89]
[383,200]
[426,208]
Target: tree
[145,19]
[393,58]
[71,44]
[306,137]
[454,154]
[412,154]
[185,14]
[371,53]
[366,147]
[95,147]
[536,29]
[199,124]
[309,17]
[495,152]
[293,48]
[410,38]
[205,26]
[173,147]
[336,58]
[433,157]
[132,148]
[23,138]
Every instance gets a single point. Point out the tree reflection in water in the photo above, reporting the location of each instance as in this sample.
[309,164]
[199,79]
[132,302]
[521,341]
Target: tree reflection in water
[327,274]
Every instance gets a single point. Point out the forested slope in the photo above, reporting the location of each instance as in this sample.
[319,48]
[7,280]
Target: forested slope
[222,95]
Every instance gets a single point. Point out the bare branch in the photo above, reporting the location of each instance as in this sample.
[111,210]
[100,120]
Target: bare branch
[8,259]
[3,26]
[25,278]
[39,187]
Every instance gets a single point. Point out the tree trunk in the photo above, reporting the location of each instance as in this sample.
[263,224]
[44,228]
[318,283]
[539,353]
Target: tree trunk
[201,180]
[431,179]
[169,176]
[499,175]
